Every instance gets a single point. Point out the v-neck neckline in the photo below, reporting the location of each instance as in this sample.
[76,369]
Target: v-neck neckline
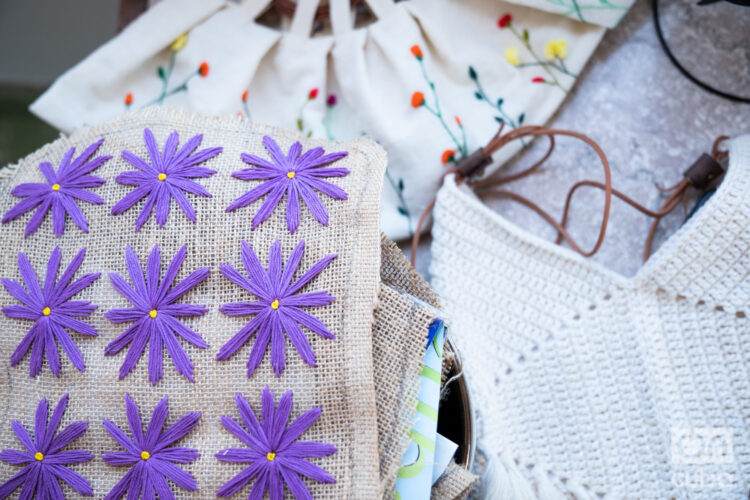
[659,259]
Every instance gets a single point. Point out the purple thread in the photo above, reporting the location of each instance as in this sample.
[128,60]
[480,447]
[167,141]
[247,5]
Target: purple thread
[154,314]
[150,456]
[60,192]
[45,458]
[168,176]
[296,175]
[52,311]
[278,308]
[275,456]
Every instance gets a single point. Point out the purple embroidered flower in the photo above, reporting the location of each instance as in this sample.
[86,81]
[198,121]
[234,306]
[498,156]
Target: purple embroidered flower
[45,458]
[168,176]
[297,176]
[154,314]
[60,192]
[52,312]
[150,457]
[274,454]
[278,308]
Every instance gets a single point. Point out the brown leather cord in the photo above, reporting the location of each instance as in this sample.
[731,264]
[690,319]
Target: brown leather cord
[700,175]
[464,171]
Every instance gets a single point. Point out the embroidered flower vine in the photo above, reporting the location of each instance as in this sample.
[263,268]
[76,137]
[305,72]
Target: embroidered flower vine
[59,194]
[52,312]
[297,175]
[418,101]
[150,455]
[168,176]
[502,116]
[155,312]
[555,51]
[278,308]
[44,458]
[275,455]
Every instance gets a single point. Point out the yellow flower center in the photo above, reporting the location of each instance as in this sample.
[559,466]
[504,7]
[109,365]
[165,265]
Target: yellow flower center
[145,455]
[46,311]
[162,176]
[270,456]
[275,304]
[55,187]
[38,456]
[152,313]
[291,174]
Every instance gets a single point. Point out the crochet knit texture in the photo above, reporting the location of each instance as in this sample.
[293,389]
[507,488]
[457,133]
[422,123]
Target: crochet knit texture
[592,384]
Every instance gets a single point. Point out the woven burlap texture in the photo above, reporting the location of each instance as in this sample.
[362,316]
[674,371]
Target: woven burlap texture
[401,326]
[455,483]
[342,384]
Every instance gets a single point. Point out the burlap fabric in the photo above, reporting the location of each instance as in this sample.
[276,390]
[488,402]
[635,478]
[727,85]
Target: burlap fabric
[342,384]
[455,483]
[401,325]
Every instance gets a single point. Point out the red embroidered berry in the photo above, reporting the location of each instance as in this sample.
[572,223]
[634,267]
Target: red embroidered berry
[538,79]
[331,101]
[416,51]
[448,155]
[203,69]
[504,21]
[313,94]
[244,96]
[417,99]
[128,99]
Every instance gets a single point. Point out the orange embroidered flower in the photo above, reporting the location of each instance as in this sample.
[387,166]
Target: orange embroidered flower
[313,94]
[504,21]
[416,51]
[128,99]
[538,79]
[244,96]
[417,99]
[458,121]
[203,69]
[448,155]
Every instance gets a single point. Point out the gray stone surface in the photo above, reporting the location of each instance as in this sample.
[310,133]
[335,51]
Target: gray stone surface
[650,120]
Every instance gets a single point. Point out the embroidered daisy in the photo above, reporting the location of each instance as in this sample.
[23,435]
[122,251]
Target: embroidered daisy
[298,175]
[150,456]
[278,308]
[155,312]
[44,458]
[275,455]
[52,312]
[60,192]
[168,176]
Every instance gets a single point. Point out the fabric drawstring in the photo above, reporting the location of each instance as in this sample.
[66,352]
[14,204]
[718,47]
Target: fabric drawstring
[703,173]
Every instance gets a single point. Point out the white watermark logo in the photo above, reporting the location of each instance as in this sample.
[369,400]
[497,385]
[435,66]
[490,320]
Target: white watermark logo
[702,445]
[695,450]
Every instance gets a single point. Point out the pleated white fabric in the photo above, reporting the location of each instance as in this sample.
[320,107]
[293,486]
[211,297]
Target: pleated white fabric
[471,71]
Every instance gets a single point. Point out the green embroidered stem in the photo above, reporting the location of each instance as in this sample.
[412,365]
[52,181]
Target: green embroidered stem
[482,95]
[402,208]
[165,76]
[438,112]
[246,109]
[524,39]
[578,10]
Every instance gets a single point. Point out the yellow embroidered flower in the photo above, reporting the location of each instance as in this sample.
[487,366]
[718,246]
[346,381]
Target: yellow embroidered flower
[511,55]
[555,49]
[179,43]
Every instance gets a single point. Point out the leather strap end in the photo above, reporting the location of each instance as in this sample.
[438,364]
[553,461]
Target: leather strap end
[473,164]
[705,170]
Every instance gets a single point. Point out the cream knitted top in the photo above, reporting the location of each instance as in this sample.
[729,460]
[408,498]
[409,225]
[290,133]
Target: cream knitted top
[592,384]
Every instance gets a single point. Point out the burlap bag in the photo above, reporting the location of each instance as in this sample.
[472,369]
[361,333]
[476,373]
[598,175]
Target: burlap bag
[342,383]
[455,483]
